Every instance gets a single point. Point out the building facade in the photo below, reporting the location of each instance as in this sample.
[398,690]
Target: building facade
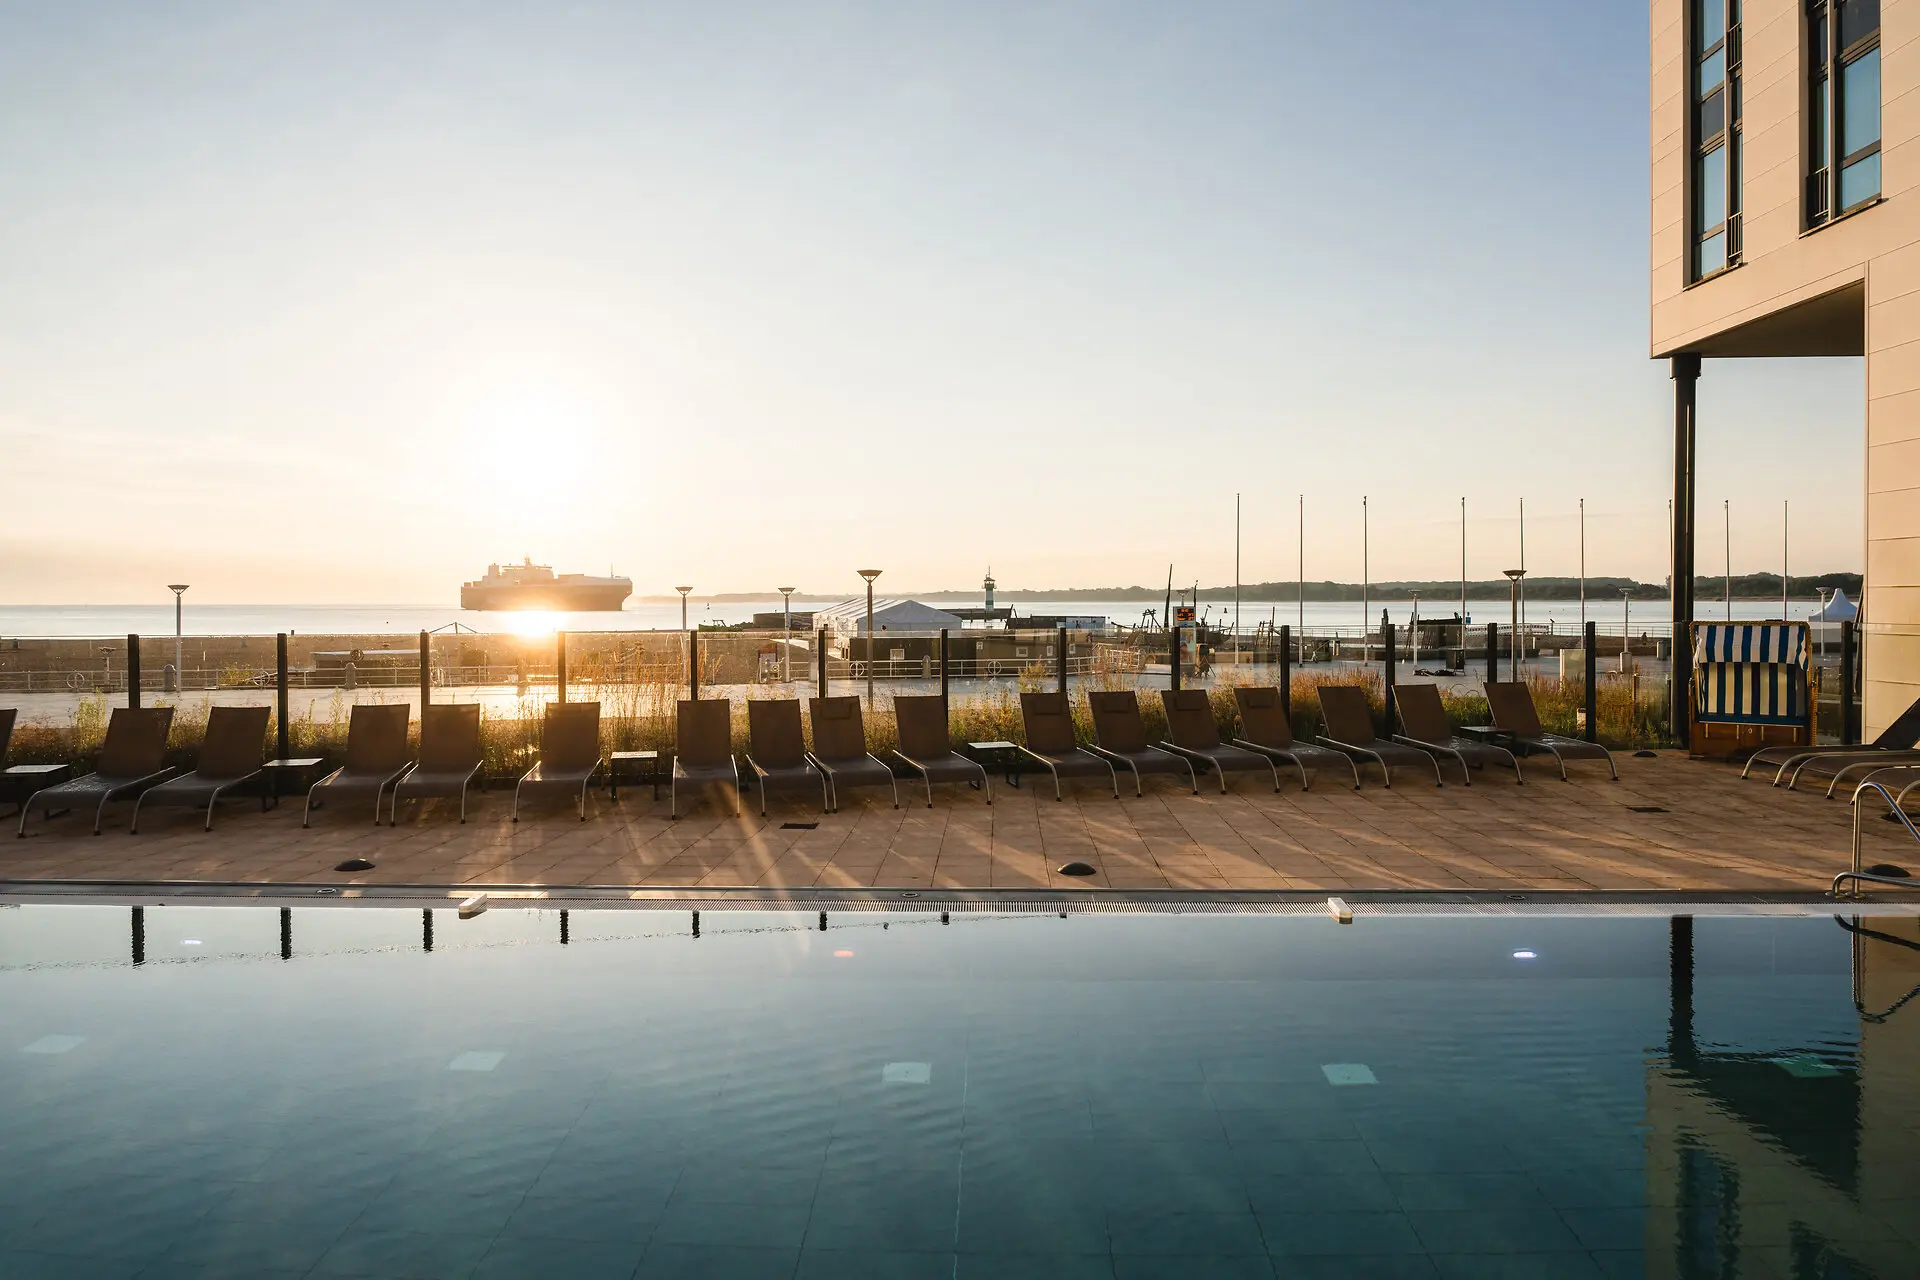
[1785,139]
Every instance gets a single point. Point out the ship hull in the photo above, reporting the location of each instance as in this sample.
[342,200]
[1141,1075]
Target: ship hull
[557,597]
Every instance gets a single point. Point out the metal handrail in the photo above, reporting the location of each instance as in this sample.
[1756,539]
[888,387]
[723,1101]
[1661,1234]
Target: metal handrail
[1856,874]
[1859,933]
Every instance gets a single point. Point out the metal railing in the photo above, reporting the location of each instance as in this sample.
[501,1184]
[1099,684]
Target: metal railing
[1859,875]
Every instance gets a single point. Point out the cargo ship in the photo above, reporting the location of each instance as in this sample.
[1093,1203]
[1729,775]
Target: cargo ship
[535,586]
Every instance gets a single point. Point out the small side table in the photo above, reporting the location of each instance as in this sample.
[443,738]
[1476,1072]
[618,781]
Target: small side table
[22,780]
[301,771]
[630,762]
[1004,756]
[1493,737]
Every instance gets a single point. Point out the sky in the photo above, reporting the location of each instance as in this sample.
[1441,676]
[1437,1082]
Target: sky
[338,303]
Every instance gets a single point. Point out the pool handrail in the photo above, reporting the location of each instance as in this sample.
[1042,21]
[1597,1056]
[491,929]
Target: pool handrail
[1856,873]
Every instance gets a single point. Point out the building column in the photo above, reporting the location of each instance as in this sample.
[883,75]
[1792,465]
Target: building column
[1686,378]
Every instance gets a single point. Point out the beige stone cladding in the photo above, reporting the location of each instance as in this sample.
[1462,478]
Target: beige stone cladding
[1850,288]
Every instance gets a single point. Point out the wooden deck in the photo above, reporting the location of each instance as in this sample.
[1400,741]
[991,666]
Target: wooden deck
[1670,825]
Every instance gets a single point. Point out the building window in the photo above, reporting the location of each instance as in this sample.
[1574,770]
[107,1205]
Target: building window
[1714,127]
[1843,107]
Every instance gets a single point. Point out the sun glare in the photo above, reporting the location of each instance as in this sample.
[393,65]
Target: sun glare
[531,622]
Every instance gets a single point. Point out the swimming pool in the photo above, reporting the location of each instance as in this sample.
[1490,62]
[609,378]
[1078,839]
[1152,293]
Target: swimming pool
[341,1091]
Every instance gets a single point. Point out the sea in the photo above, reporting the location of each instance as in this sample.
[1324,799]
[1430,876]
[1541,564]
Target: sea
[40,621]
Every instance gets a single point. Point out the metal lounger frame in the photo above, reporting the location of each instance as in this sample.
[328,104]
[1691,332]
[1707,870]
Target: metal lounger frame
[1456,750]
[1050,764]
[1356,753]
[380,793]
[1860,758]
[115,790]
[761,773]
[466,785]
[952,757]
[826,769]
[1291,755]
[213,798]
[586,783]
[1117,758]
[1193,756]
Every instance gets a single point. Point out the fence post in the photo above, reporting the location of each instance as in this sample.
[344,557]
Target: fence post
[560,662]
[1849,717]
[426,672]
[1592,665]
[1389,659]
[943,662]
[1174,633]
[280,696]
[1493,653]
[133,672]
[1063,661]
[820,657]
[693,665]
[1286,669]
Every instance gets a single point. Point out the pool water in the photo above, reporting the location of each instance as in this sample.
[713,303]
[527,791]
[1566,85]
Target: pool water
[340,1091]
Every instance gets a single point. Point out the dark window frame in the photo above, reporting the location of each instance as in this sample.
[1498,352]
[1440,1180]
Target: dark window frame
[1702,144]
[1827,63]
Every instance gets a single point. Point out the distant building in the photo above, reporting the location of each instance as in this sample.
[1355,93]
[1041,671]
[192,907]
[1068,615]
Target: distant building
[775,621]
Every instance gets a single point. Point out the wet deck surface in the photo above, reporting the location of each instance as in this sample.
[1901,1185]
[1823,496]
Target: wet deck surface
[1669,825]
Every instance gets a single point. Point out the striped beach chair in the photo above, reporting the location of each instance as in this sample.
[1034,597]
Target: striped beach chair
[1750,686]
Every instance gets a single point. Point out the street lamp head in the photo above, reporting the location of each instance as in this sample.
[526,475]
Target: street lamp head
[1515,574]
[683,590]
[176,587]
[869,574]
[786,591]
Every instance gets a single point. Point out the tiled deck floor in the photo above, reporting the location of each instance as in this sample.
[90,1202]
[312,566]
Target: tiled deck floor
[1718,834]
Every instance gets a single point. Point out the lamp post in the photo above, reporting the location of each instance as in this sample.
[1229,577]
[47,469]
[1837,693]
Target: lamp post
[1821,619]
[683,605]
[786,643]
[1515,649]
[869,575]
[179,590]
[1626,625]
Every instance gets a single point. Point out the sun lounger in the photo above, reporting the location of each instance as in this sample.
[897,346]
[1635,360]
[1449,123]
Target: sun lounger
[1265,728]
[1050,743]
[132,759]
[1347,722]
[840,748]
[377,756]
[569,755]
[1897,743]
[450,758]
[703,749]
[231,754]
[1193,733]
[1514,715]
[1120,738]
[1424,725]
[926,746]
[777,751]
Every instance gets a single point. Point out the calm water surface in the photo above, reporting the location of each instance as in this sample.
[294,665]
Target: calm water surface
[352,1092]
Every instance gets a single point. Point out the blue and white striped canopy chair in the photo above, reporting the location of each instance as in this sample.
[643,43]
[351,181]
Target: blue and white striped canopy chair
[1749,687]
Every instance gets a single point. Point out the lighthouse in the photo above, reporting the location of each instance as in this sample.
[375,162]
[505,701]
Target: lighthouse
[988,587]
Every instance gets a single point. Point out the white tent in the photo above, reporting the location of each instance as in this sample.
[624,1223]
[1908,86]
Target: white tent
[1839,609]
[850,617]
